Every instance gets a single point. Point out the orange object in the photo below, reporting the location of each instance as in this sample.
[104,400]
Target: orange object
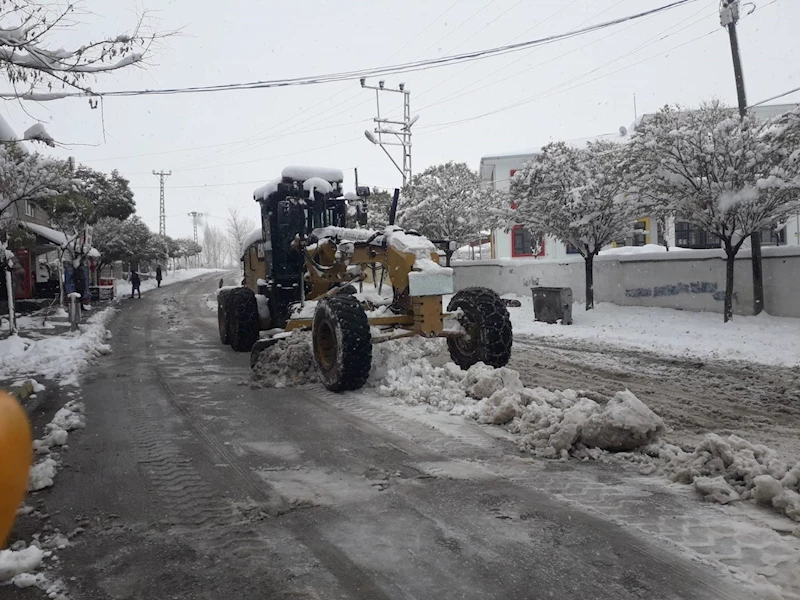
[16,448]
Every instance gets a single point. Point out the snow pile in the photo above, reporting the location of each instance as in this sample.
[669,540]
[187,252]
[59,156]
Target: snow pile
[14,563]
[288,362]
[59,357]
[728,469]
[42,474]
[68,418]
[550,423]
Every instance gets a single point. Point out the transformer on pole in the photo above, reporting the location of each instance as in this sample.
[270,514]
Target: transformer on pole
[162,215]
[384,131]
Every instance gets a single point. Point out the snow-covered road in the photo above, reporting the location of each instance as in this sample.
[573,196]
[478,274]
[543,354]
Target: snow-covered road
[189,483]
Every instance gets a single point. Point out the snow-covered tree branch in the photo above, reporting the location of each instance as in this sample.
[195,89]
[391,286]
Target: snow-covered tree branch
[32,59]
[732,177]
[577,195]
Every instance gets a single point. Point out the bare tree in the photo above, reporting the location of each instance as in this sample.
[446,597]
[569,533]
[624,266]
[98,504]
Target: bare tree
[215,247]
[238,227]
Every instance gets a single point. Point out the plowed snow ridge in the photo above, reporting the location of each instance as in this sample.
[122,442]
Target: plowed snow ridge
[557,423]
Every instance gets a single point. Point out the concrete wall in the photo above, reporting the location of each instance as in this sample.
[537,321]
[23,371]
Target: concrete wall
[688,280]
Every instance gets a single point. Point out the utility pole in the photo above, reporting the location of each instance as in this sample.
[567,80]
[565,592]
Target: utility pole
[729,14]
[162,214]
[384,130]
[195,216]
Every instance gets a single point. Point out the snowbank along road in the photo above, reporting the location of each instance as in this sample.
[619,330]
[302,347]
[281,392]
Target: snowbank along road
[191,482]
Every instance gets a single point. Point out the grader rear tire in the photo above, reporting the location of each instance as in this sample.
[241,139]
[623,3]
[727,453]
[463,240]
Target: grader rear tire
[342,343]
[223,301]
[488,325]
[244,323]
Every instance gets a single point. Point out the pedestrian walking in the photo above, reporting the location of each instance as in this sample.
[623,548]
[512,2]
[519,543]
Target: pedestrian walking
[135,283]
[158,275]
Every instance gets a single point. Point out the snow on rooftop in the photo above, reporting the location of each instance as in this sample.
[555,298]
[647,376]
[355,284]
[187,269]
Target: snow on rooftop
[618,136]
[251,238]
[57,237]
[265,190]
[300,173]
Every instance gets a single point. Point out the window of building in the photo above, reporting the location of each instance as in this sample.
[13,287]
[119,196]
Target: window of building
[773,237]
[29,209]
[640,236]
[689,235]
[524,243]
[571,249]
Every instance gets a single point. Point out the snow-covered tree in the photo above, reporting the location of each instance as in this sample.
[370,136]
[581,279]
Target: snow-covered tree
[36,63]
[26,177]
[127,240]
[379,205]
[448,202]
[577,195]
[731,176]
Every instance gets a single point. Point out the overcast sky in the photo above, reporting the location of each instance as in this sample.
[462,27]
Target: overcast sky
[576,88]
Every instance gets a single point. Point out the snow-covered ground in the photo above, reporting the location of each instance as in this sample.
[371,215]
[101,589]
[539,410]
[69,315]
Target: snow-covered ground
[763,339]
[56,357]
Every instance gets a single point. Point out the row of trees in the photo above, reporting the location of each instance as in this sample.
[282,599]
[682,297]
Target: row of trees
[731,176]
[76,197]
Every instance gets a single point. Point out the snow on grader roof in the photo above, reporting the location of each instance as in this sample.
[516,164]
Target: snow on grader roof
[253,237]
[321,178]
[263,192]
[298,173]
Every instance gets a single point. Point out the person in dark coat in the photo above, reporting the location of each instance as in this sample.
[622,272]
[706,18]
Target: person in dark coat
[135,283]
[158,275]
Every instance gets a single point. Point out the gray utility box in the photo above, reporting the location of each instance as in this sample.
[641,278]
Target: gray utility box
[551,305]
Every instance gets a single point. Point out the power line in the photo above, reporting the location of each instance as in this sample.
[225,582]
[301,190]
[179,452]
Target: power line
[375,71]
[555,90]
[255,141]
[778,97]
[458,93]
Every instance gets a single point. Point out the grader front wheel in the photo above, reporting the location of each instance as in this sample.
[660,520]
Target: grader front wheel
[342,343]
[487,334]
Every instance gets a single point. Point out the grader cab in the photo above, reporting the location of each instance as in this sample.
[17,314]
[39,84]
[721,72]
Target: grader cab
[351,287]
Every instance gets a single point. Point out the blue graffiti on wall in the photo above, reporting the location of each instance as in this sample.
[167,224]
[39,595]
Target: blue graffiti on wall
[695,287]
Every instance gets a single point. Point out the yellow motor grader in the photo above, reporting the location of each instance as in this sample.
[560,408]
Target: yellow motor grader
[306,270]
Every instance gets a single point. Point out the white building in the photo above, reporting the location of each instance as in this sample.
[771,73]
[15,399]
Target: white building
[497,169]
